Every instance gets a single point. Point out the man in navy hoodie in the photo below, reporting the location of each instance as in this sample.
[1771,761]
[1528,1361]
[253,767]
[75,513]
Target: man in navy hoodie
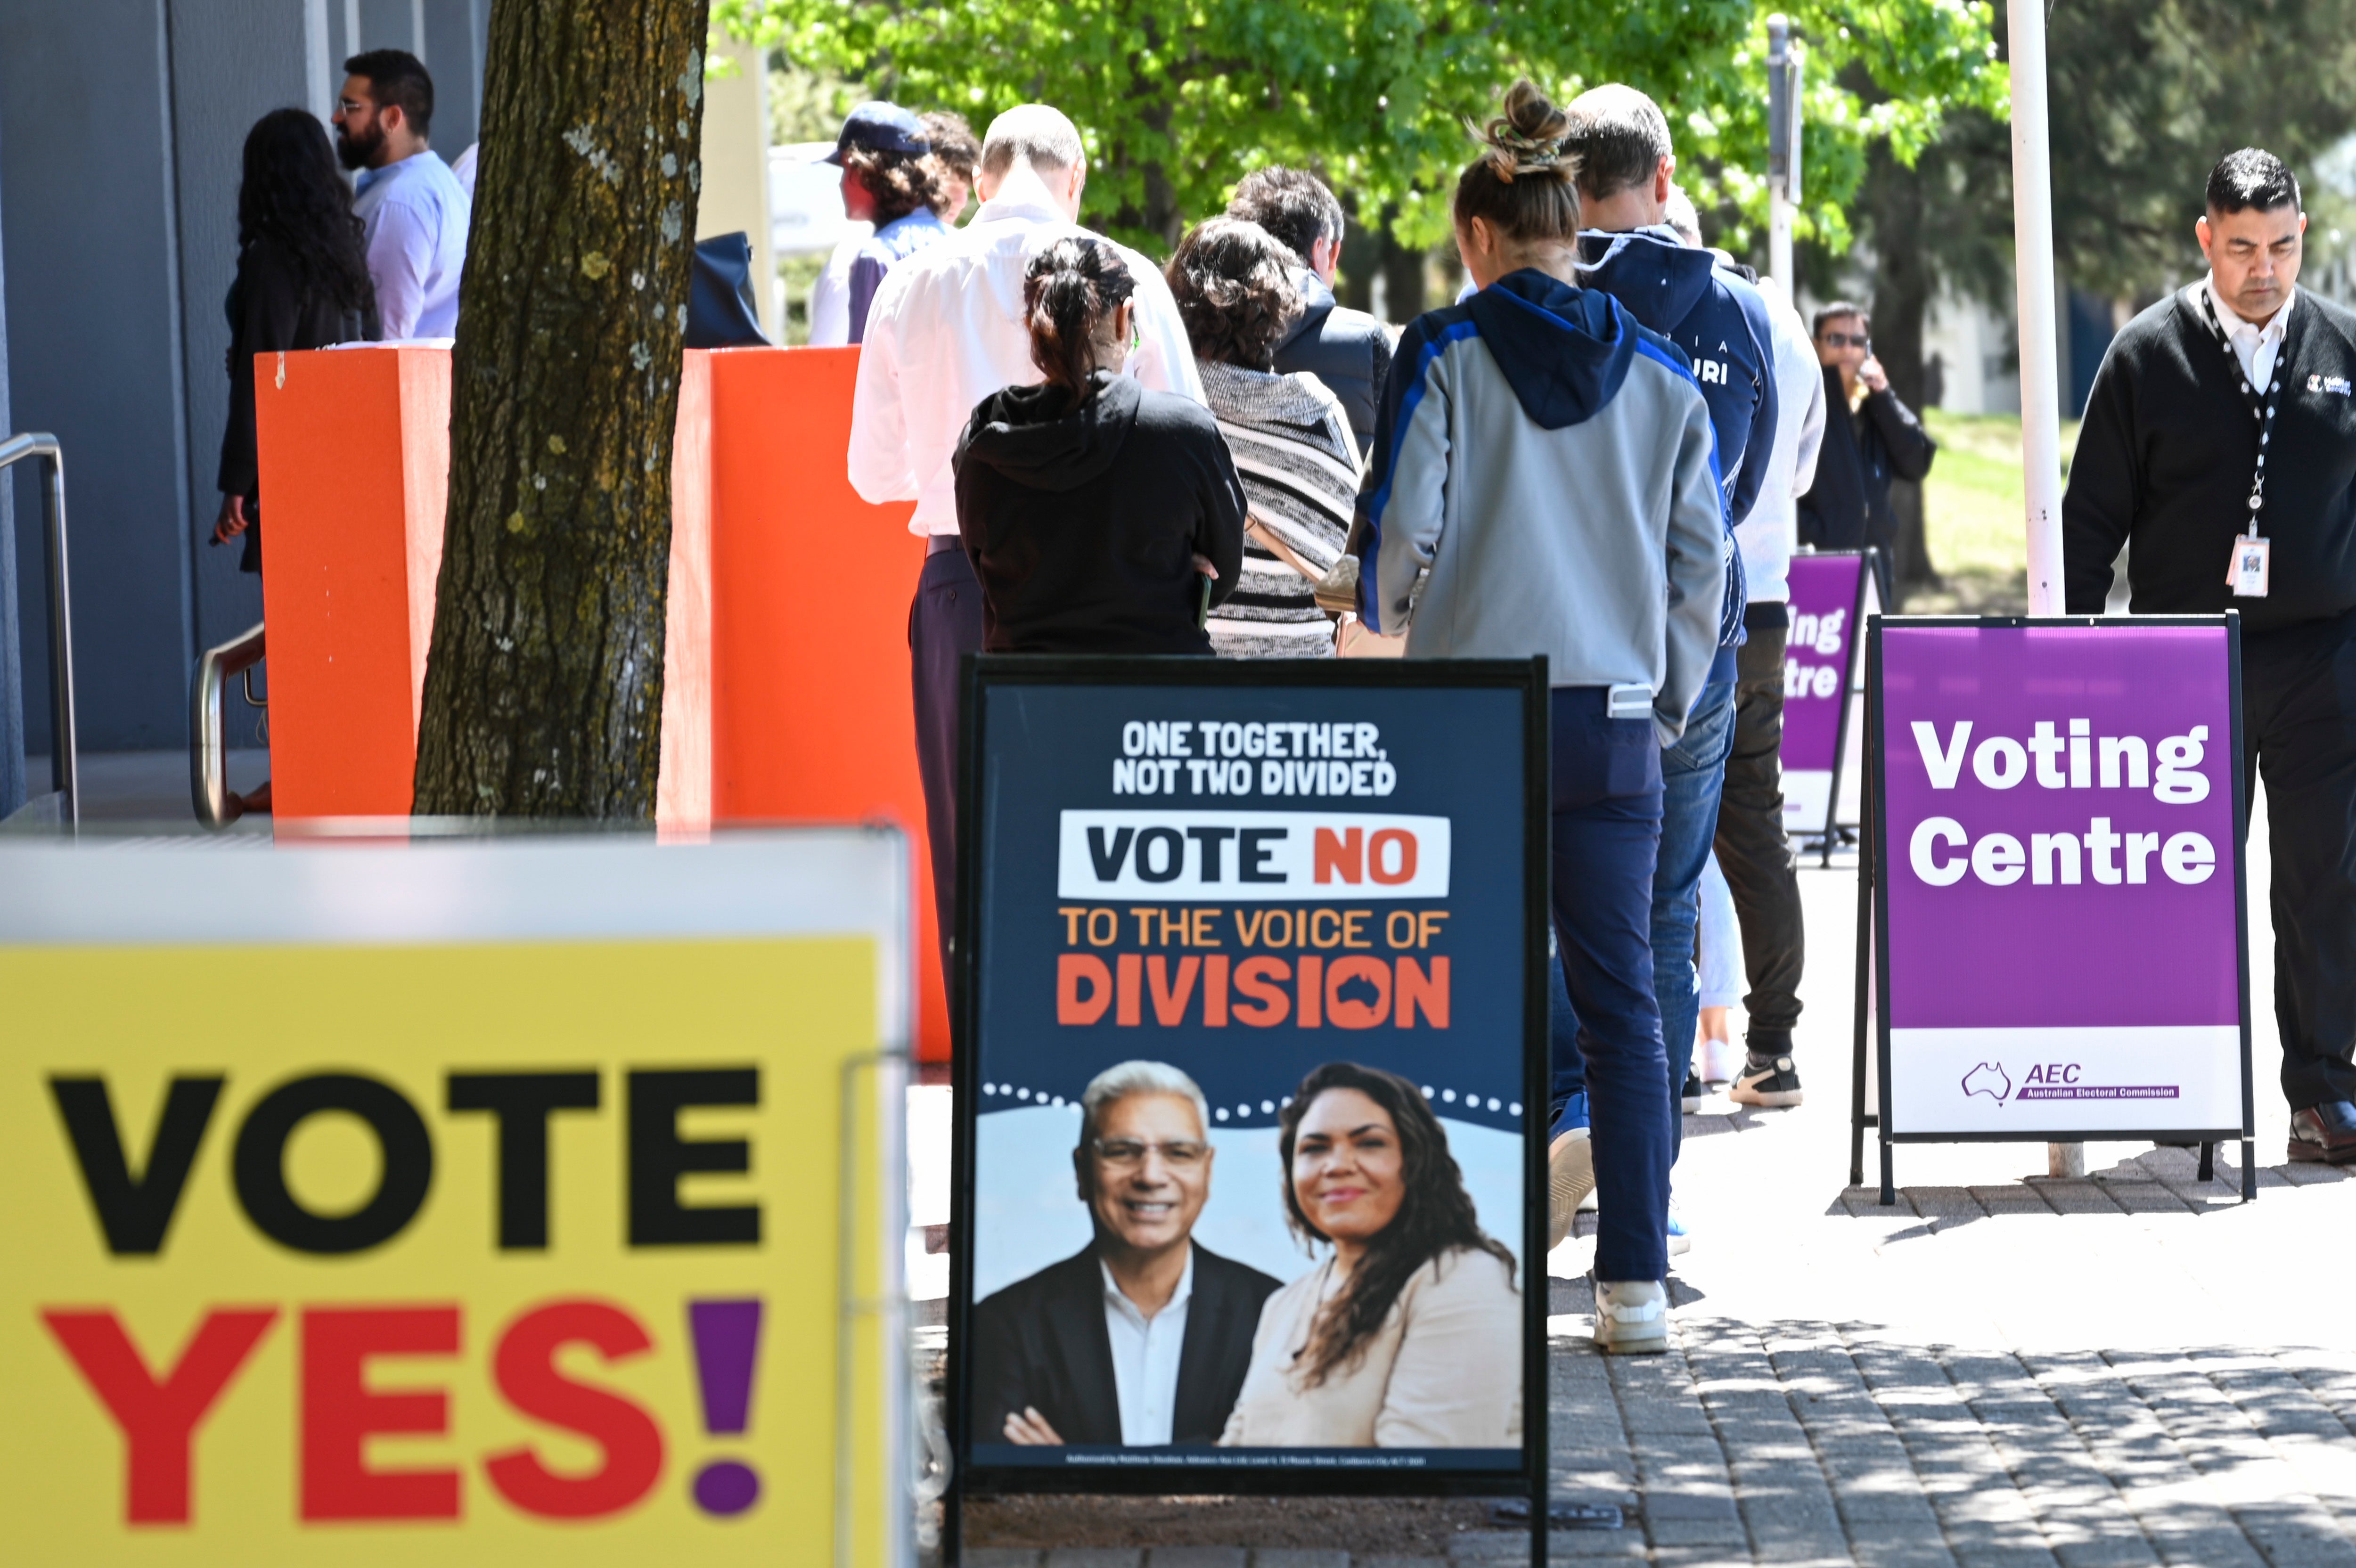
[1628,251]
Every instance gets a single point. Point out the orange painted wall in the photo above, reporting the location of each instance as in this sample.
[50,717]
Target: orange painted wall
[812,713]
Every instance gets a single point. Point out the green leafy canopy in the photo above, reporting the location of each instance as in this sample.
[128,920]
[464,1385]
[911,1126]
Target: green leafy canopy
[1178,98]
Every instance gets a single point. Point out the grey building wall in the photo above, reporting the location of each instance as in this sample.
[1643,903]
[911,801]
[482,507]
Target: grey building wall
[122,126]
[95,352]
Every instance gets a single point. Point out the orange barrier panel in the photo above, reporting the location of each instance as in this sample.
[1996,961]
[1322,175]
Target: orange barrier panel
[355,456]
[812,716]
[786,689]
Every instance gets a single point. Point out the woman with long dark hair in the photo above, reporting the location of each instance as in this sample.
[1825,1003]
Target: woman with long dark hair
[1408,1333]
[302,283]
[1091,506]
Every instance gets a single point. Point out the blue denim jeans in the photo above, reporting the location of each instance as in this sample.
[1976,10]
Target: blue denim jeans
[1693,773]
[1607,837]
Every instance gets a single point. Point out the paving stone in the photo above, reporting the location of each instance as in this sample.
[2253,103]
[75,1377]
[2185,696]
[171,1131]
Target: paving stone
[1195,1557]
[999,1557]
[1299,1557]
[1094,1557]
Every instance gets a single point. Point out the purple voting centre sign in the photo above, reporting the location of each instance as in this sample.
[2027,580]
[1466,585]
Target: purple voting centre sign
[2057,895]
[1832,594]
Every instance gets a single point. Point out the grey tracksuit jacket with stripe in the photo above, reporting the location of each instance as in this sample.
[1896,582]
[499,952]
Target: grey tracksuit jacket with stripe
[1547,468]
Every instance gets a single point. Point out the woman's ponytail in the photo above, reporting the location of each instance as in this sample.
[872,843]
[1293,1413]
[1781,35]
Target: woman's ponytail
[1074,286]
[1525,183]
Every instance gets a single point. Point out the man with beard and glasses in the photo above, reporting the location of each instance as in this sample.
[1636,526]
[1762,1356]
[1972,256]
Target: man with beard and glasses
[413,210]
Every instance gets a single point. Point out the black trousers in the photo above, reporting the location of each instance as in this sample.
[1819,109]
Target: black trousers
[1755,851]
[2299,721]
[944,624]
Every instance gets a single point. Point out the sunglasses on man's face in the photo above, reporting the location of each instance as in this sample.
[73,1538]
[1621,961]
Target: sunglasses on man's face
[1847,340]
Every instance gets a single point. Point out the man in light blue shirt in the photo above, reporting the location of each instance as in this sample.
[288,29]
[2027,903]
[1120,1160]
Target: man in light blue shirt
[413,210]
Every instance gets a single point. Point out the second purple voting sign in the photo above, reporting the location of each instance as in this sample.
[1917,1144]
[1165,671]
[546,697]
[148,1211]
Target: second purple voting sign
[2058,902]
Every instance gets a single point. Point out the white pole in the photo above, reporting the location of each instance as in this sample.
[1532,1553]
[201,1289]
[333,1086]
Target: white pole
[2033,253]
[2040,387]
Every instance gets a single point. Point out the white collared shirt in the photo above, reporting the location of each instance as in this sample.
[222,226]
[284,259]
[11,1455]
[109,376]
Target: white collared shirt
[946,330]
[413,217]
[1145,1358]
[2256,346]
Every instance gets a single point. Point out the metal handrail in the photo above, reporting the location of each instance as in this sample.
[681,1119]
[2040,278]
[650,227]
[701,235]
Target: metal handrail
[65,761]
[217,807]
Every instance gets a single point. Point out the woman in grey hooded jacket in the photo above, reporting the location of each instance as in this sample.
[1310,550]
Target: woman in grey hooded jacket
[1545,481]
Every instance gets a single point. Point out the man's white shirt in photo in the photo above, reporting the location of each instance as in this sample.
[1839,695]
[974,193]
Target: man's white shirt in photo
[1145,1358]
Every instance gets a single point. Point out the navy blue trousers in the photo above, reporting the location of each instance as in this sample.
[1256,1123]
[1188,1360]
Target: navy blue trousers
[1606,839]
[944,624]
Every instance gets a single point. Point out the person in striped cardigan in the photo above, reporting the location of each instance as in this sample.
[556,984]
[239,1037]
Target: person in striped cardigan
[1288,433]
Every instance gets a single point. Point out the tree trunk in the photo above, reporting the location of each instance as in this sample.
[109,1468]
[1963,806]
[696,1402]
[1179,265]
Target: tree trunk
[543,690]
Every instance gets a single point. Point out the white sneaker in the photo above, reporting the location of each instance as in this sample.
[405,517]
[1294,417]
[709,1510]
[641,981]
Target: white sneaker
[1571,1179]
[1632,1316]
[1679,1242]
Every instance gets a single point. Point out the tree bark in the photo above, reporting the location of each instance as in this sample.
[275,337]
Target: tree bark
[543,687]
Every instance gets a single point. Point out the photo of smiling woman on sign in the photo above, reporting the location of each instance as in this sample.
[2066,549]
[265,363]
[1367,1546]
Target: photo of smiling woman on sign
[1405,1336]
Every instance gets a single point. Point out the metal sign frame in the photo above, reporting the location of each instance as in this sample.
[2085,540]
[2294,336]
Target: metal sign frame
[1873,1014]
[1827,832]
[1526,1480]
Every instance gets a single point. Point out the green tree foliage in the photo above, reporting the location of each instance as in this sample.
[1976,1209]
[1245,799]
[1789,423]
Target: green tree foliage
[1179,98]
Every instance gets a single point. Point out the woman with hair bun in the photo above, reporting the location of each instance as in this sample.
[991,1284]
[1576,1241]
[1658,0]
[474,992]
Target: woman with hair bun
[1408,1333]
[1093,507]
[1235,289]
[1545,481]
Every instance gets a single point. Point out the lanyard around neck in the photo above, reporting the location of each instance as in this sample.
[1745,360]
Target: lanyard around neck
[2264,412]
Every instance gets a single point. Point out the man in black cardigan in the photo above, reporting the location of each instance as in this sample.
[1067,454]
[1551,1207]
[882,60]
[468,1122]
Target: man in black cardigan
[2178,429]
[1143,1337]
[1871,438]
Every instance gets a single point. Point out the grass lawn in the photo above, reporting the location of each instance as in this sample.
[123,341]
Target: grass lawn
[1974,514]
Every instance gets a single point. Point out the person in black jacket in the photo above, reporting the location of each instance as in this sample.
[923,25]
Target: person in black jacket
[302,283]
[1347,349]
[1848,506]
[2193,399]
[1091,507]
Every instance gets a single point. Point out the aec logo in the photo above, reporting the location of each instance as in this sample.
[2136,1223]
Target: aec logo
[1988,1078]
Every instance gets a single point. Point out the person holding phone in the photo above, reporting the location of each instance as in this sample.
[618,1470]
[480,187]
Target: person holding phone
[1093,507]
[1871,438]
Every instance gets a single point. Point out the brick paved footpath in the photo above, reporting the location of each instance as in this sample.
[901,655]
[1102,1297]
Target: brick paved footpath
[2002,1371]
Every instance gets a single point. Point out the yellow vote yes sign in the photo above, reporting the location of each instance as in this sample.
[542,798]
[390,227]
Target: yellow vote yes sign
[495,1198]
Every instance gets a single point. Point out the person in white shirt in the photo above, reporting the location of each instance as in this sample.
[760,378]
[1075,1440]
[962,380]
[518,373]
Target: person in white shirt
[1142,1338]
[1751,849]
[415,213]
[946,330]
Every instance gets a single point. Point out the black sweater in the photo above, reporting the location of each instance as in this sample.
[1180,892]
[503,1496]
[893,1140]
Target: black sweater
[1847,507]
[1082,524]
[2165,457]
[270,310]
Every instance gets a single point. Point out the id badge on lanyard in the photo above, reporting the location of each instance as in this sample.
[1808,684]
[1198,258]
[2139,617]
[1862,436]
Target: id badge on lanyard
[2246,569]
[2247,575]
